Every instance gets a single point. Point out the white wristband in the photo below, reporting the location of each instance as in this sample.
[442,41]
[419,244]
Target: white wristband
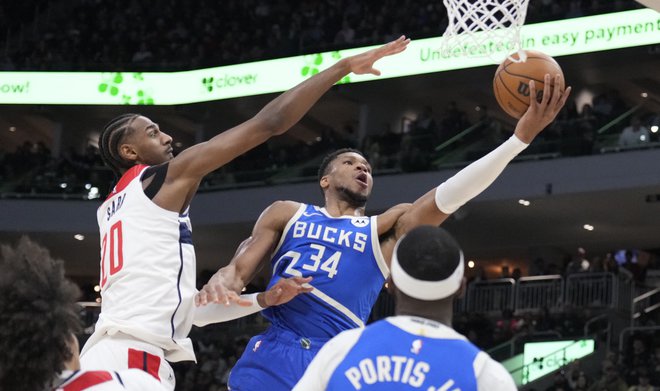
[475,178]
[253,297]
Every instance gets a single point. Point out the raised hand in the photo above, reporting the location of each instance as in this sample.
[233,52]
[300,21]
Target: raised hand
[284,290]
[541,114]
[363,63]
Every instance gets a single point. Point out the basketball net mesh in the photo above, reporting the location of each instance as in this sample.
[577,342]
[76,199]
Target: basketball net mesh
[484,28]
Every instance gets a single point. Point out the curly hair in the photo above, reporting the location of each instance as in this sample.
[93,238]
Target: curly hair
[38,314]
[111,136]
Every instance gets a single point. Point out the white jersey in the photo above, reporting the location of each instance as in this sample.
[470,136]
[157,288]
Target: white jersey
[147,270]
[128,380]
[407,352]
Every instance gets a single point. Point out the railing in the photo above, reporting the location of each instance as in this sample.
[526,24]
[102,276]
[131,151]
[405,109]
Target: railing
[491,295]
[554,292]
[645,303]
[591,290]
[539,291]
[629,330]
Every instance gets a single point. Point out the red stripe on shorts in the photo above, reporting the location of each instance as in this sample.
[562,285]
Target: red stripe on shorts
[147,362]
[87,380]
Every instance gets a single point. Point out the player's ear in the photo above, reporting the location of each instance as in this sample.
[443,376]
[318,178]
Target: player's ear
[128,152]
[324,182]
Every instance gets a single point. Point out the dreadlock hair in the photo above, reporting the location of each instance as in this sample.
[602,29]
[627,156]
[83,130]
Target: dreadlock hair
[38,315]
[111,135]
[428,253]
[329,158]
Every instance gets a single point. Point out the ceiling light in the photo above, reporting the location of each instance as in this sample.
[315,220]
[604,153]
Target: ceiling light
[471,264]
[12,128]
[97,288]
[644,95]
[79,237]
[524,202]
[654,128]
[588,227]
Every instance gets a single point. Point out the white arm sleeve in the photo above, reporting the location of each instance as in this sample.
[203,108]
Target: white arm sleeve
[216,313]
[318,372]
[475,178]
[491,375]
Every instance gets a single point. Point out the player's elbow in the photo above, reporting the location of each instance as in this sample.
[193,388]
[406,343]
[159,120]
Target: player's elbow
[272,122]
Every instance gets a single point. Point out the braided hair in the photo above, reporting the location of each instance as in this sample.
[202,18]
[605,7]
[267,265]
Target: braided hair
[112,134]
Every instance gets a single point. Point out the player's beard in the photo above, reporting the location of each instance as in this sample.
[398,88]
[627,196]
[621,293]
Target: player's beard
[356,200]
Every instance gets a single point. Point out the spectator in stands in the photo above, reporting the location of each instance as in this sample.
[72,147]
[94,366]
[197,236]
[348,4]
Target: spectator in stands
[538,267]
[632,268]
[560,383]
[610,379]
[636,357]
[582,382]
[578,263]
[453,121]
[634,135]
[643,381]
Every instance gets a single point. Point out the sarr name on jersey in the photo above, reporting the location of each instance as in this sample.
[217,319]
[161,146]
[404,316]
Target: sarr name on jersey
[115,205]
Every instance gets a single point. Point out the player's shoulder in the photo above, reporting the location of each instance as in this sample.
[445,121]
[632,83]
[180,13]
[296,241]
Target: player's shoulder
[280,212]
[284,207]
[491,374]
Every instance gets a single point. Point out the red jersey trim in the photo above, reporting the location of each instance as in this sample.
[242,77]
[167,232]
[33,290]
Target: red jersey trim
[87,380]
[125,179]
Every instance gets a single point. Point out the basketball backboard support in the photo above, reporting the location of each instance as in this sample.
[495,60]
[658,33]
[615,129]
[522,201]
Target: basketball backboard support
[653,4]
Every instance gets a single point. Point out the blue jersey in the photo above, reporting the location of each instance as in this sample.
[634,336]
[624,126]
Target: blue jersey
[343,256]
[385,357]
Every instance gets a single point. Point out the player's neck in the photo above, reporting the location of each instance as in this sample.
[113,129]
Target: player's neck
[338,208]
[439,313]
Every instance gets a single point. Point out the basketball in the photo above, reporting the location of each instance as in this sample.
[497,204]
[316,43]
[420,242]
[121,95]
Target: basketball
[511,82]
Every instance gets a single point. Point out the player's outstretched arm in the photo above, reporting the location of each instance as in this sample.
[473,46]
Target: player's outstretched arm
[250,256]
[276,117]
[239,306]
[436,205]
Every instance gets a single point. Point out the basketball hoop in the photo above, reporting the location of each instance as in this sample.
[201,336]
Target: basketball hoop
[484,28]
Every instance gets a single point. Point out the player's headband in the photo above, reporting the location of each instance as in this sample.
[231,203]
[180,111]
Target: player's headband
[423,289]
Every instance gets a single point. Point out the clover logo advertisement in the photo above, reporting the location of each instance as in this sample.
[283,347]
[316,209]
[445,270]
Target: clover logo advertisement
[127,88]
[314,61]
[227,80]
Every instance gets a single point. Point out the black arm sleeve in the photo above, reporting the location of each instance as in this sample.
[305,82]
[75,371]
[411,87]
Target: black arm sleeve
[159,173]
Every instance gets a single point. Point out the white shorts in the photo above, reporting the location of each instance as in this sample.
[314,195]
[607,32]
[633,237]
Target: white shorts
[122,351]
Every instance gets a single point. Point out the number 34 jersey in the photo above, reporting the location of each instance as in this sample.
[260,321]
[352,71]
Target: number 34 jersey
[147,270]
[343,256]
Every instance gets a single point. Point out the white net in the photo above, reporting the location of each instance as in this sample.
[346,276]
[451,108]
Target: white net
[484,28]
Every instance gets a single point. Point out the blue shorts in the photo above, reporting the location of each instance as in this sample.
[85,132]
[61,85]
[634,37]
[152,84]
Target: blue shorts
[274,360]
